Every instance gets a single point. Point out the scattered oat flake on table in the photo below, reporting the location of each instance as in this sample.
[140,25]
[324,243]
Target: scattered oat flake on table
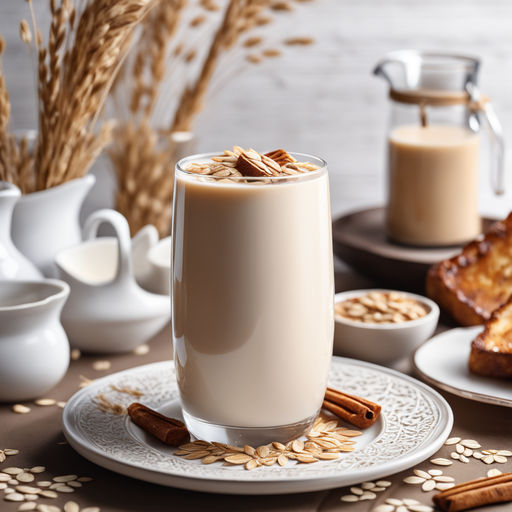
[403,505]
[12,470]
[413,480]
[383,508]
[350,498]
[27,506]
[75,354]
[45,401]
[440,461]
[64,488]
[366,491]
[14,496]
[64,478]
[28,489]
[494,472]
[470,443]
[61,404]
[492,456]
[48,508]
[141,350]
[48,493]
[25,477]
[11,451]
[101,365]
[428,485]
[71,506]
[433,479]
[452,440]
[20,409]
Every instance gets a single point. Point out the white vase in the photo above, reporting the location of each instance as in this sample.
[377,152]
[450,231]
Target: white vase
[13,265]
[47,221]
[34,349]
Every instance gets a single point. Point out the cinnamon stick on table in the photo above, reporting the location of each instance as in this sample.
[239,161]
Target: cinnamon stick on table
[484,491]
[168,430]
[356,410]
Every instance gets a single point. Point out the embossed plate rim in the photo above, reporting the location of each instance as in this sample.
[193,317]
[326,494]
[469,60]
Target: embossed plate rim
[326,476]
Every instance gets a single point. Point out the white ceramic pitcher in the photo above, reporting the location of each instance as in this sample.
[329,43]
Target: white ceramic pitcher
[45,222]
[107,310]
[34,350]
[13,265]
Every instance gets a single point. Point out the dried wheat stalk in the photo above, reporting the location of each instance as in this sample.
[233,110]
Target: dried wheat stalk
[5,111]
[163,23]
[76,71]
[239,17]
[15,162]
[137,153]
[145,179]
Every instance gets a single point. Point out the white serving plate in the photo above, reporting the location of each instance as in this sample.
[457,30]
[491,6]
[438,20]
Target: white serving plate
[414,423]
[443,361]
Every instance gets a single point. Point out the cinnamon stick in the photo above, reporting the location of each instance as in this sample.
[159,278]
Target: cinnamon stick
[356,410]
[168,430]
[475,493]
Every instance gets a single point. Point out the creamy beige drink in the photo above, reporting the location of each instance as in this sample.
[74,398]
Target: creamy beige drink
[433,185]
[252,297]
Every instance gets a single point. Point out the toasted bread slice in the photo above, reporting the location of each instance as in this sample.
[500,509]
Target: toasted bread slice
[491,350]
[471,285]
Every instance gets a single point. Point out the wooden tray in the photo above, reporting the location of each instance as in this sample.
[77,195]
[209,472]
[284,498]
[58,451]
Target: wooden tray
[361,242]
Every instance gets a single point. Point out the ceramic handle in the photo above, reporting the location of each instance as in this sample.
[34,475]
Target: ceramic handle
[122,231]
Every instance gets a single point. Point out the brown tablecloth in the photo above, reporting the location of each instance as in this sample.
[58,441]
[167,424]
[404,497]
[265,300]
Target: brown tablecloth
[39,438]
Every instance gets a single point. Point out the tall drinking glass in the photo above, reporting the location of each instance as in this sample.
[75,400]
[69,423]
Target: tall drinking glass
[253,292]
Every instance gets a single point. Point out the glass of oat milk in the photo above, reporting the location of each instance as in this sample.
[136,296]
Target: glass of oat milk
[439,125]
[252,301]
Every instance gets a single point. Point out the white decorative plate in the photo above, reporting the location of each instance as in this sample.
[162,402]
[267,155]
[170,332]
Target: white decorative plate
[414,423]
[443,361]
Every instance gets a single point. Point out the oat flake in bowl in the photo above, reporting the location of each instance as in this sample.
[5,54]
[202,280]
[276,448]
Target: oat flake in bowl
[381,307]
[382,326]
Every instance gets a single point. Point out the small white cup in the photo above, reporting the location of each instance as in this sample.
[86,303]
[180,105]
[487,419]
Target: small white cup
[382,343]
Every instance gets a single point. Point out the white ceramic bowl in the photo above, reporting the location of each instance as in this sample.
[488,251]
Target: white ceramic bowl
[382,343]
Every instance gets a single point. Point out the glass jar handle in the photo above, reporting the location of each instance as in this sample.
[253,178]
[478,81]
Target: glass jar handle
[481,106]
